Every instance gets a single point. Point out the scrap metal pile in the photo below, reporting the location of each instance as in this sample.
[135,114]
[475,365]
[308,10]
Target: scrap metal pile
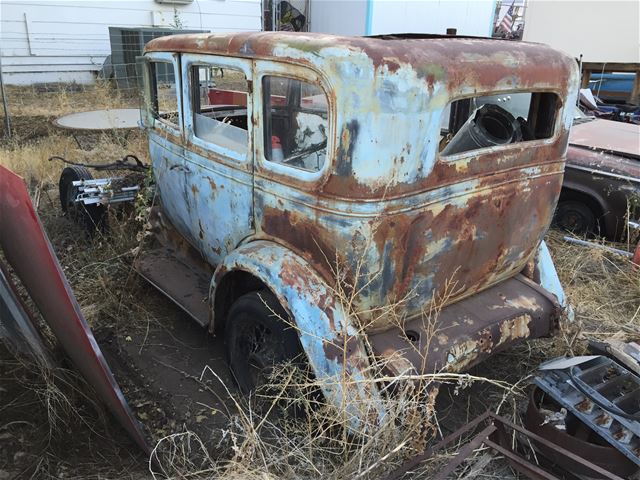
[583,421]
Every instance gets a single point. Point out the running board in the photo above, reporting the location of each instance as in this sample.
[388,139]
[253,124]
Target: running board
[186,284]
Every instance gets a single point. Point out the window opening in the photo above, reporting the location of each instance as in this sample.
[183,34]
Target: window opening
[295,123]
[165,93]
[219,105]
[487,121]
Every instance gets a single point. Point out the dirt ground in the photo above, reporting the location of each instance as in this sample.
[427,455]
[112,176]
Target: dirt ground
[173,373]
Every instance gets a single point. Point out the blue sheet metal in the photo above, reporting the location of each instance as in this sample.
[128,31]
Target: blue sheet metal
[332,342]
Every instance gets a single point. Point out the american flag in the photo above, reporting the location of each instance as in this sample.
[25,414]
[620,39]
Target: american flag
[507,21]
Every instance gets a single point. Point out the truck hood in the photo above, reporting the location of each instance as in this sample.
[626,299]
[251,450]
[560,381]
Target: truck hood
[608,136]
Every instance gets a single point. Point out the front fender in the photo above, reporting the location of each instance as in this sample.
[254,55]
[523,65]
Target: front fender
[334,347]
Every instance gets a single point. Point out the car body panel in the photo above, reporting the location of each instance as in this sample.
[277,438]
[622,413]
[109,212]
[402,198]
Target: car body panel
[608,136]
[336,353]
[418,222]
[603,165]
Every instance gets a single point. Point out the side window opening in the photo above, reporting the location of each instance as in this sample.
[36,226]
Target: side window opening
[295,123]
[219,97]
[164,93]
[486,121]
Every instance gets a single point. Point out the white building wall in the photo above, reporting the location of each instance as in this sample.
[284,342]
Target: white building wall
[469,17]
[374,17]
[338,17]
[62,41]
[602,31]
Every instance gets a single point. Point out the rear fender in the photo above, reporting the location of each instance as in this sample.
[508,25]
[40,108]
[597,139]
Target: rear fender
[334,347]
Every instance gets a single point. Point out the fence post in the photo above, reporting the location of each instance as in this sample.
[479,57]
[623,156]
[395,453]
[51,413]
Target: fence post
[7,119]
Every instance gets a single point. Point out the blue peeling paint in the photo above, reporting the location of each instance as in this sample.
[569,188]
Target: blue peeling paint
[549,279]
[321,322]
[383,197]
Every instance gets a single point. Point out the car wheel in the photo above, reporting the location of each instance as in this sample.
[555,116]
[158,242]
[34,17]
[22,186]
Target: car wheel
[575,217]
[89,217]
[258,337]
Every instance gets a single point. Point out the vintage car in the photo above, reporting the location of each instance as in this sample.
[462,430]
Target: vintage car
[601,189]
[361,201]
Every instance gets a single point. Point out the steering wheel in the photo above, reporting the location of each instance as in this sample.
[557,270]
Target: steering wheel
[316,147]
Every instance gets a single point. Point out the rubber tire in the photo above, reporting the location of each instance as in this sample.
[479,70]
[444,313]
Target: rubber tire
[90,217]
[253,315]
[575,217]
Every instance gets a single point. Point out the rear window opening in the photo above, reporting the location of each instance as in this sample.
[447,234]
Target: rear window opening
[483,122]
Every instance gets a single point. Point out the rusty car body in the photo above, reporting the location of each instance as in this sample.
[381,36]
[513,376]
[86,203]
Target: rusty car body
[340,181]
[601,188]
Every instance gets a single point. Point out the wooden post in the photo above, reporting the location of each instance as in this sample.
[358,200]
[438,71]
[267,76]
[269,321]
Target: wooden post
[586,76]
[5,106]
[635,91]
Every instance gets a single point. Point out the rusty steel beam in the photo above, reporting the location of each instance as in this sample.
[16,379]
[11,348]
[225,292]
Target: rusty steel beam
[497,423]
[521,464]
[409,464]
[465,451]
[558,448]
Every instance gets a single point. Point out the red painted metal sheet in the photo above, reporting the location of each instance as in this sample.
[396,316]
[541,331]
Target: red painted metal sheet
[27,249]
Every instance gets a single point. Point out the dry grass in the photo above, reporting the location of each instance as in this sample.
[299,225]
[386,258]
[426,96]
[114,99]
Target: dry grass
[30,159]
[330,441]
[264,440]
[603,287]
[57,100]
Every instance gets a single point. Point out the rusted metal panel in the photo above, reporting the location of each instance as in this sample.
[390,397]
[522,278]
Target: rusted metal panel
[412,248]
[334,348]
[28,251]
[184,282]
[420,222]
[467,332]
